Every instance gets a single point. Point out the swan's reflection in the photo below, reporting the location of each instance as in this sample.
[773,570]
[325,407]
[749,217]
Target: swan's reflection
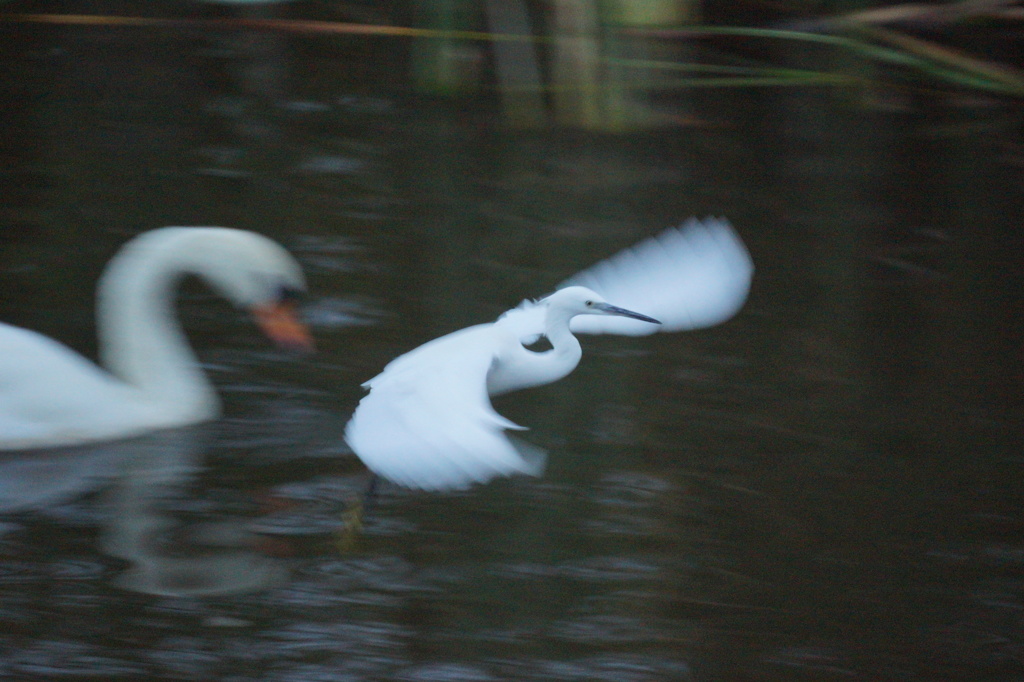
[141,479]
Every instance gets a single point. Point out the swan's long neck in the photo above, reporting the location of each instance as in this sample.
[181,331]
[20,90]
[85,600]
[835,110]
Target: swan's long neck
[140,339]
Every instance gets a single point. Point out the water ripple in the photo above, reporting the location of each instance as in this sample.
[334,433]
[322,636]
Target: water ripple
[63,658]
[444,672]
[605,629]
[385,573]
[342,636]
[76,569]
[818,660]
[331,165]
[309,507]
[341,313]
[606,569]
[613,667]
[185,656]
[610,568]
[17,572]
[630,489]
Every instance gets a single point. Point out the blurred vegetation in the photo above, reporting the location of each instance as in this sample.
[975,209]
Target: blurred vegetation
[604,64]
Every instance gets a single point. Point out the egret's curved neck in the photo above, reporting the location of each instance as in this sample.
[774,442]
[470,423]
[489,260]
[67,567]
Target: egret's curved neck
[565,350]
[536,369]
[140,339]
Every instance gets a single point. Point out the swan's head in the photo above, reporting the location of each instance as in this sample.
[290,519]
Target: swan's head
[583,301]
[258,274]
[250,270]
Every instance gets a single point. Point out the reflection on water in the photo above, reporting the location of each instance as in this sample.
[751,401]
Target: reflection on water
[135,487]
[826,487]
[166,557]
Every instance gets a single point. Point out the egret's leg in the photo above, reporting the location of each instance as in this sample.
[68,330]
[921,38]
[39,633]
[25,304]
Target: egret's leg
[370,494]
[352,518]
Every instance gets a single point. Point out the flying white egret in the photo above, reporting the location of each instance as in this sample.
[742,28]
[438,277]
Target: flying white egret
[51,395]
[427,421]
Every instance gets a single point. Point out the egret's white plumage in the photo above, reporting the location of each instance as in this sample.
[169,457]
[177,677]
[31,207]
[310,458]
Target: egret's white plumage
[427,421]
[50,395]
[693,276]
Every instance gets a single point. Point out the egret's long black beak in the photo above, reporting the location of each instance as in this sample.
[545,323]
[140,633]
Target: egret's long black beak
[610,309]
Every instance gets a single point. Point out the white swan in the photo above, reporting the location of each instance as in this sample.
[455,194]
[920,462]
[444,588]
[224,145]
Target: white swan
[51,396]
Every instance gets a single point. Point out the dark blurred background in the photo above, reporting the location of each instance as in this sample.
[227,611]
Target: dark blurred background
[826,487]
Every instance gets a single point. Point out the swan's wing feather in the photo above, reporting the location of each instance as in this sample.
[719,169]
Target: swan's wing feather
[428,423]
[689,277]
[50,394]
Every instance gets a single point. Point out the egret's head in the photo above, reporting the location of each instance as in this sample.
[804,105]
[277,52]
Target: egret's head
[583,301]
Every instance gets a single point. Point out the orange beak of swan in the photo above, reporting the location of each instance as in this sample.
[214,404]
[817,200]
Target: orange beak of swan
[280,322]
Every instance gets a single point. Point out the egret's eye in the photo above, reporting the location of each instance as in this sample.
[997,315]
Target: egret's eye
[589,303]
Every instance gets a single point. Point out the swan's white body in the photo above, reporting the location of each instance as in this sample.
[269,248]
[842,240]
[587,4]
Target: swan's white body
[427,421]
[50,395]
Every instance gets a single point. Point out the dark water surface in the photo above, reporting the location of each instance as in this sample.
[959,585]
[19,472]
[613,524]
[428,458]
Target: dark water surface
[829,486]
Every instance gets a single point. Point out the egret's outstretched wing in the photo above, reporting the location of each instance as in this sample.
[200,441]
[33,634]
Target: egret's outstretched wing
[427,421]
[688,277]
